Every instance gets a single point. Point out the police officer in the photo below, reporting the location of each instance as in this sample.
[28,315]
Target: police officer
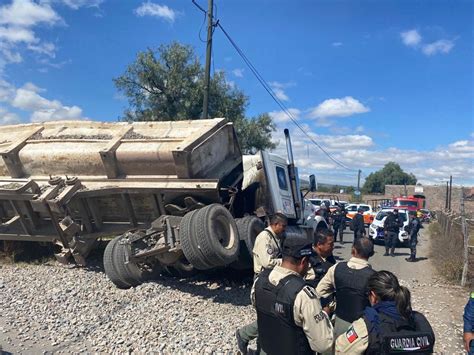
[391,226]
[289,314]
[323,258]
[414,227]
[349,281]
[468,316]
[389,325]
[266,254]
[339,221]
[358,225]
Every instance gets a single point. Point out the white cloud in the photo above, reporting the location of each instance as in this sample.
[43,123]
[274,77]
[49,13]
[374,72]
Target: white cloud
[27,99]
[26,13]
[17,34]
[278,89]
[342,107]
[336,44]
[46,48]
[411,38]
[156,10]
[76,4]
[442,46]
[7,118]
[238,72]
[281,116]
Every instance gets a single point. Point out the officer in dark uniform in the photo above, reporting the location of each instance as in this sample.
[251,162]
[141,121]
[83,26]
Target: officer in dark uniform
[323,258]
[391,226]
[414,228]
[349,281]
[358,225]
[339,222]
[289,314]
[389,326]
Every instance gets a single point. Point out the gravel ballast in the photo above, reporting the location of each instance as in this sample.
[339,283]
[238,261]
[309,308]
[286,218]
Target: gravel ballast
[53,308]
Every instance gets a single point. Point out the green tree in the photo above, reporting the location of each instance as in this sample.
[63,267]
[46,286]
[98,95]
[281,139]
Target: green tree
[167,84]
[390,174]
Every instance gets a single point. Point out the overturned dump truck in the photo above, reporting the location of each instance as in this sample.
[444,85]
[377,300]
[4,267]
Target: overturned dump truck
[175,196]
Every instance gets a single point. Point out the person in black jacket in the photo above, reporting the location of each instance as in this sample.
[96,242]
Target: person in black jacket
[358,225]
[389,325]
[339,221]
[323,258]
[391,226]
[414,228]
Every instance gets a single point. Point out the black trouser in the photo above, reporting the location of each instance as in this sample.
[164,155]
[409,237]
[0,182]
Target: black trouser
[390,239]
[338,229]
[413,243]
[358,234]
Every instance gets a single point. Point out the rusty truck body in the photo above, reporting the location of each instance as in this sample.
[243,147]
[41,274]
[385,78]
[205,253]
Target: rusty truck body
[176,195]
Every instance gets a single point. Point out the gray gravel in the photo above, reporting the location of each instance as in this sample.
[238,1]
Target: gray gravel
[53,308]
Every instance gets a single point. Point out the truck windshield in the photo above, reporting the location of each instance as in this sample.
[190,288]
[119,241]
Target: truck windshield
[407,203]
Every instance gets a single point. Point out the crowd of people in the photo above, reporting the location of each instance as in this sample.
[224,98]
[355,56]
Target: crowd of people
[307,303]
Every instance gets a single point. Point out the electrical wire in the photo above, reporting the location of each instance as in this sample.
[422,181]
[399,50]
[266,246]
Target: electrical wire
[270,91]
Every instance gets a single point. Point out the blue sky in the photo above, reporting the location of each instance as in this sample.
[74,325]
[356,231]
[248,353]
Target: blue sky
[371,81]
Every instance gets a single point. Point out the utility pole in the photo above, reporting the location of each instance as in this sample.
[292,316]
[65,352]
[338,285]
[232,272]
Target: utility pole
[358,180]
[447,196]
[207,75]
[450,191]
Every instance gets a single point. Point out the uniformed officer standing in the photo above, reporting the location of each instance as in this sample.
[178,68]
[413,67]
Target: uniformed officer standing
[339,223]
[266,254]
[289,314]
[391,226]
[358,224]
[415,226]
[323,258]
[389,326]
[349,281]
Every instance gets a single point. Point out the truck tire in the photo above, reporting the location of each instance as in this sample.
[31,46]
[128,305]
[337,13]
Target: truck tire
[248,228]
[131,273]
[109,266]
[217,235]
[189,242]
[182,269]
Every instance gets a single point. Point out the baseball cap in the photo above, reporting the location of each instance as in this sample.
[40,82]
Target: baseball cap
[360,209]
[297,247]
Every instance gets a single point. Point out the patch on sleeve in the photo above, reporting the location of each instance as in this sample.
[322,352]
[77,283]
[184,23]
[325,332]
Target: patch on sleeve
[309,291]
[269,249]
[472,294]
[351,335]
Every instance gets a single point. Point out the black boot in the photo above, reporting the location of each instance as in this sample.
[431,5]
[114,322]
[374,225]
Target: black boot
[392,253]
[386,252]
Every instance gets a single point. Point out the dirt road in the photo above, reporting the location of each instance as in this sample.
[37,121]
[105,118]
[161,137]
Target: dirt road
[442,303]
[49,308]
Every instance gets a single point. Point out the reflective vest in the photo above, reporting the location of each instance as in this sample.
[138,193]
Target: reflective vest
[351,291]
[277,331]
[413,336]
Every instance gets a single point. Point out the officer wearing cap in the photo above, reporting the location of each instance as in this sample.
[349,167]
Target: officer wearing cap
[266,254]
[349,280]
[414,228]
[289,314]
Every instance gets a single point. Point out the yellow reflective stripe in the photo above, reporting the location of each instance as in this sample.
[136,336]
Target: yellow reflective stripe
[472,294]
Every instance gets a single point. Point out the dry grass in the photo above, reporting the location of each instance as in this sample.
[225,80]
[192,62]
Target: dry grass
[447,251]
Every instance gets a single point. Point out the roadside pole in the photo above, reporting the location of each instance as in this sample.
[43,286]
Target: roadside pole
[207,75]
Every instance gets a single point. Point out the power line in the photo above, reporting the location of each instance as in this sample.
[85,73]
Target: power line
[269,90]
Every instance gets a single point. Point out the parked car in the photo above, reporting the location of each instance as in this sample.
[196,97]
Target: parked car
[352,210]
[315,201]
[376,232]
